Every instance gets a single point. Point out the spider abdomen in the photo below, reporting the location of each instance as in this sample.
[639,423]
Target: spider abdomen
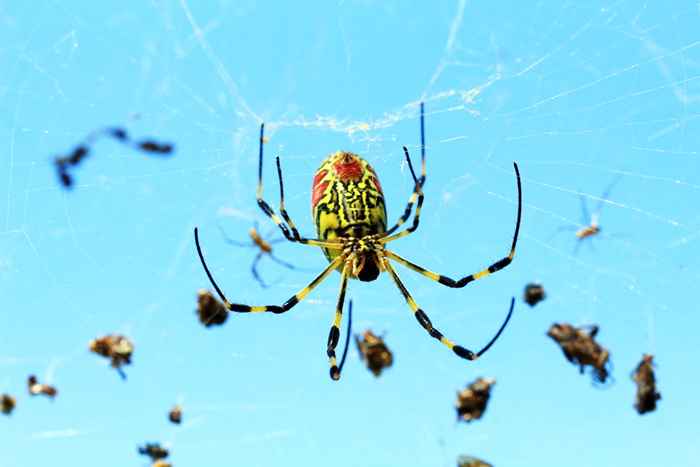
[347,199]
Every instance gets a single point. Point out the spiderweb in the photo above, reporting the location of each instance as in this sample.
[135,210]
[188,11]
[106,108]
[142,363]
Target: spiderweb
[585,97]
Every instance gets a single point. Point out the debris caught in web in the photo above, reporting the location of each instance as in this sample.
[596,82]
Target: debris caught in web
[471,401]
[210,310]
[646,385]
[175,414]
[7,404]
[36,388]
[534,294]
[580,348]
[374,352]
[470,461]
[116,347]
[154,450]
[81,151]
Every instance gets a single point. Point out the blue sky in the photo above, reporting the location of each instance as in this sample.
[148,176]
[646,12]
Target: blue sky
[578,94]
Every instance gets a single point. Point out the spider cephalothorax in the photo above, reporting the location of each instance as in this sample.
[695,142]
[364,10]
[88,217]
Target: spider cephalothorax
[349,213]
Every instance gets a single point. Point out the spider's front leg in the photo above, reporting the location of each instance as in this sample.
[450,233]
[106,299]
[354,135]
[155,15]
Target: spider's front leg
[458,283]
[288,229]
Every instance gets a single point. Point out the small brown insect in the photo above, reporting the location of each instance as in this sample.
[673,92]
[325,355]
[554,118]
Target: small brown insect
[534,294]
[175,414]
[580,348]
[161,463]
[209,310]
[374,352]
[116,347]
[36,388]
[469,461]
[471,401]
[265,249]
[154,450]
[82,150]
[646,385]
[7,404]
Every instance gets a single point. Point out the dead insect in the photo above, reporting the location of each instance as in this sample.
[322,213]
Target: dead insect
[175,414]
[469,461]
[210,310]
[580,348]
[36,388]
[471,401]
[264,247]
[7,404]
[534,294]
[153,450]
[117,348]
[374,352]
[81,151]
[646,385]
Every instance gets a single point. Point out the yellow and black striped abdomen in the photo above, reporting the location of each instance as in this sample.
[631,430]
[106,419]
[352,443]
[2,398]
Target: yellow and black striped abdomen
[346,199]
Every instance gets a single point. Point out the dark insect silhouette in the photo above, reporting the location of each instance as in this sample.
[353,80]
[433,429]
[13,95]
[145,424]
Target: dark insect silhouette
[36,388]
[7,404]
[470,461]
[374,352]
[647,395]
[580,348]
[153,450]
[471,401]
[81,151]
[117,348]
[534,294]
[175,415]
[209,310]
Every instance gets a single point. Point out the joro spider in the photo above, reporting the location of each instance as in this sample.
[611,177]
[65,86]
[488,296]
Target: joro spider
[350,216]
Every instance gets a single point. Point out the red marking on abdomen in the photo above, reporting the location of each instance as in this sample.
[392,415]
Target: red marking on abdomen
[348,170]
[317,188]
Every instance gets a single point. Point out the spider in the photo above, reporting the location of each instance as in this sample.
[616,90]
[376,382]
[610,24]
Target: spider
[350,216]
[265,247]
[590,223]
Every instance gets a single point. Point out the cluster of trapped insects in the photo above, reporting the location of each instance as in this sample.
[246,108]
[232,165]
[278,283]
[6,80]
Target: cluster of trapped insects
[349,214]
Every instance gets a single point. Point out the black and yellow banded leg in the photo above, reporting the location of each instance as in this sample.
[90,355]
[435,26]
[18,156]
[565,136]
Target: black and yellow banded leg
[434,333]
[418,183]
[417,195]
[293,235]
[334,334]
[299,296]
[412,228]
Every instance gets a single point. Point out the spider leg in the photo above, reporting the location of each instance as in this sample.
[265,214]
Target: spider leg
[449,282]
[416,221]
[418,183]
[293,300]
[347,340]
[334,334]
[434,333]
[606,193]
[231,241]
[292,236]
[281,262]
[586,218]
[254,270]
